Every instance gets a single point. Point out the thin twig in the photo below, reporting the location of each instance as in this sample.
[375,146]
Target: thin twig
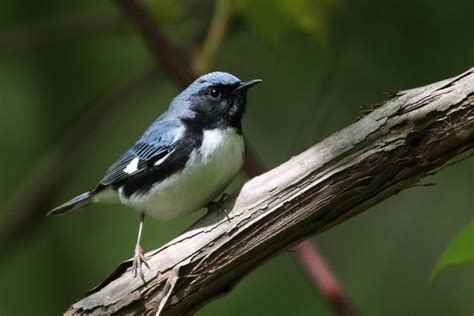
[205,55]
[320,273]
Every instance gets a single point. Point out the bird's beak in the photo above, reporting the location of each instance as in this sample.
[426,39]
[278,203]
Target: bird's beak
[244,85]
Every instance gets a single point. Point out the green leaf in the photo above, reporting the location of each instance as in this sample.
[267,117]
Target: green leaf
[459,251]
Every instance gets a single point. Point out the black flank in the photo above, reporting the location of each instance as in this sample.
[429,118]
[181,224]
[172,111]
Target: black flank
[143,181]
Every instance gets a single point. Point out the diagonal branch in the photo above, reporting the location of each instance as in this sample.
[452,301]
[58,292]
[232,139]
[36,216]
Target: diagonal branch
[178,68]
[157,42]
[320,273]
[413,134]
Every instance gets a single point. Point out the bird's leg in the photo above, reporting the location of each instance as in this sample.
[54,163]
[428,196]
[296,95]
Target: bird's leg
[139,258]
[219,205]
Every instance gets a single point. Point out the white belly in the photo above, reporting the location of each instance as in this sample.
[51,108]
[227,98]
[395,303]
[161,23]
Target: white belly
[209,170]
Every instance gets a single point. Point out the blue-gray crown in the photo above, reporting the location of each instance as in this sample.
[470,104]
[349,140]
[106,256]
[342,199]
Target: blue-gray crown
[214,78]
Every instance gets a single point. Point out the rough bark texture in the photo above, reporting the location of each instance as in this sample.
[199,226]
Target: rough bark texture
[412,135]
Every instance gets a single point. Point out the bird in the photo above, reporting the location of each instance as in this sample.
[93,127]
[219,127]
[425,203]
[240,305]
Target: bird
[183,161]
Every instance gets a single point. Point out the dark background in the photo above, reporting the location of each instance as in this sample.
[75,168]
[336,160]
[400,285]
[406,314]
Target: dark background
[320,62]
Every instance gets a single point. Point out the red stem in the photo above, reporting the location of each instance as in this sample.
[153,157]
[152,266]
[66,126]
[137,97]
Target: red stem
[318,270]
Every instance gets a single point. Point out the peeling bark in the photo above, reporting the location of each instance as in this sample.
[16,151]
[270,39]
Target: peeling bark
[412,135]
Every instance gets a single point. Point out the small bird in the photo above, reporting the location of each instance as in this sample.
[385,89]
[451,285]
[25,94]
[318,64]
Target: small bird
[183,161]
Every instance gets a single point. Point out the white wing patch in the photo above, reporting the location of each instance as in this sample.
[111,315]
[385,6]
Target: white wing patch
[158,162]
[132,166]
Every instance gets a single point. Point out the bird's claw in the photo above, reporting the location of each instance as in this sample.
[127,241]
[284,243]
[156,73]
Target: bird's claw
[138,260]
[219,205]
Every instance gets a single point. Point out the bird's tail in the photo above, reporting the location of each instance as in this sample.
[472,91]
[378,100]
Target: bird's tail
[74,204]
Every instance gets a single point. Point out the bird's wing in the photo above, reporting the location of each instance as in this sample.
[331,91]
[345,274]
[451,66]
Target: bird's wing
[153,149]
[134,161]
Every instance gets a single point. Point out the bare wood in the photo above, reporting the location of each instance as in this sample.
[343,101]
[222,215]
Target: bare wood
[391,148]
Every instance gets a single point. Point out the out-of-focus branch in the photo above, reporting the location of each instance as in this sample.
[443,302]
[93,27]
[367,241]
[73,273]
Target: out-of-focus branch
[205,55]
[161,48]
[408,137]
[317,269]
[178,68]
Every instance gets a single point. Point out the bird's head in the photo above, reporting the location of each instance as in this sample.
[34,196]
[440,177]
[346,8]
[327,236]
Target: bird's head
[217,99]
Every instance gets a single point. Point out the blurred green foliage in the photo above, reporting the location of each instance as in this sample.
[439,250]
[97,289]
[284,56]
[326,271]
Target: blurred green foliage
[59,58]
[166,10]
[460,251]
[275,20]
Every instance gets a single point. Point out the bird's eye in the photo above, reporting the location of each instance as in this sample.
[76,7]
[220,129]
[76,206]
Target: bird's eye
[214,93]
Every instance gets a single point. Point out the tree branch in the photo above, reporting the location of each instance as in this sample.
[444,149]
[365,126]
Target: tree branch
[320,273]
[204,56]
[390,149]
[157,42]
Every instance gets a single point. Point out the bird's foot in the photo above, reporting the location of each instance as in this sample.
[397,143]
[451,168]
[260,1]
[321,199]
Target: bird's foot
[138,260]
[218,205]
